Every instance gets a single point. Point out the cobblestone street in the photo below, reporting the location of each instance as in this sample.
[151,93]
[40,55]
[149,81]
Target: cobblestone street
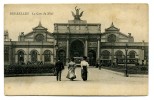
[100,82]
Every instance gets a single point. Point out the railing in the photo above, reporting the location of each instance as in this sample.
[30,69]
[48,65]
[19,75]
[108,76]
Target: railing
[107,62]
[129,61]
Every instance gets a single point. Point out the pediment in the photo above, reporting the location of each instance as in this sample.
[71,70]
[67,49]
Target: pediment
[119,34]
[112,28]
[30,34]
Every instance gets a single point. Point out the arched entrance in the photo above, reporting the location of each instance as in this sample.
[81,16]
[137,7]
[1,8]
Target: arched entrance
[76,49]
[92,57]
[62,56]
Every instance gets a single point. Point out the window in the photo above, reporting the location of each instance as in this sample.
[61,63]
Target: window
[106,54]
[39,38]
[112,38]
[119,57]
[6,54]
[119,54]
[47,56]
[20,56]
[132,54]
[34,56]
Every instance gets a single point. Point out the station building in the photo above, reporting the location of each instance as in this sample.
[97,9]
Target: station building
[76,38]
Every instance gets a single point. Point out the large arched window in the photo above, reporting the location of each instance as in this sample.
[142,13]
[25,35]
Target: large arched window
[132,54]
[34,56]
[105,54]
[20,56]
[119,54]
[47,56]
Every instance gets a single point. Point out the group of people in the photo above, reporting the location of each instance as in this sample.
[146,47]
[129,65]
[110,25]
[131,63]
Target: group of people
[71,69]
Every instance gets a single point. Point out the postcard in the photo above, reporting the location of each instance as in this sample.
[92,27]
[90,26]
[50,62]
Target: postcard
[76,49]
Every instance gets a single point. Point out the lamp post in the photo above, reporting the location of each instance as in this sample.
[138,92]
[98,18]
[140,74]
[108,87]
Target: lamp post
[56,48]
[126,68]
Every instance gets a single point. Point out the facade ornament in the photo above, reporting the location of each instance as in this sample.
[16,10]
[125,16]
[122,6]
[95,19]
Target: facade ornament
[78,14]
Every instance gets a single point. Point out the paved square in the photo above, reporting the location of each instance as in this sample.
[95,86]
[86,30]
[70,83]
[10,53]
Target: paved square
[100,82]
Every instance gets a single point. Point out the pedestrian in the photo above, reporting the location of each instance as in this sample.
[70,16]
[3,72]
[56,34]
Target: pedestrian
[84,66]
[97,64]
[100,65]
[59,67]
[71,70]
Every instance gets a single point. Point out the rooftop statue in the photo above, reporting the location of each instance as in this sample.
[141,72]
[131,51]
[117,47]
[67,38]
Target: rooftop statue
[78,15]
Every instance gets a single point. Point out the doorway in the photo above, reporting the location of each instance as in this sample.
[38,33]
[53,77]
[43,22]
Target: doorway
[77,49]
[92,57]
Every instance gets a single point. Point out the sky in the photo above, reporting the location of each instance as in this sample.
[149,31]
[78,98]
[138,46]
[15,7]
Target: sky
[130,18]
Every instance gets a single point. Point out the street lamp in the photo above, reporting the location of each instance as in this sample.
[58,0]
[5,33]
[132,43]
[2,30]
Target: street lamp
[56,48]
[126,70]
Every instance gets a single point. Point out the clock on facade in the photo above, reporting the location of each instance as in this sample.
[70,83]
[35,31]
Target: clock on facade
[39,38]
[111,38]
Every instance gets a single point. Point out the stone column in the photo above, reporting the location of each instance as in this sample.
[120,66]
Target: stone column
[67,50]
[98,49]
[141,58]
[41,51]
[16,58]
[10,55]
[54,50]
[86,47]
[28,51]
[143,55]
[112,55]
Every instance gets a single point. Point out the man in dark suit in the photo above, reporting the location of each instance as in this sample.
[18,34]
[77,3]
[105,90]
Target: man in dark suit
[59,67]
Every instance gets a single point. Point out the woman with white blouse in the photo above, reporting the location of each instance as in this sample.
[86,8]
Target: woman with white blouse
[84,66]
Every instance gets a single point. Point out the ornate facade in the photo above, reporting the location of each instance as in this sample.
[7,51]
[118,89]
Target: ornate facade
[76,38]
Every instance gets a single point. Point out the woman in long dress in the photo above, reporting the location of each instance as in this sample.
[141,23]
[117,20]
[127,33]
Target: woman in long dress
[84,66]
[71,70]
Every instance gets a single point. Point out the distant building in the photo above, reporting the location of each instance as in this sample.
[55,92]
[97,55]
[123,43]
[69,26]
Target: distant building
[6,35]
[76,38]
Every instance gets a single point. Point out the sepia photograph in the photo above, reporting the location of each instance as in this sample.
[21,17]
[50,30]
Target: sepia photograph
[76,49]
